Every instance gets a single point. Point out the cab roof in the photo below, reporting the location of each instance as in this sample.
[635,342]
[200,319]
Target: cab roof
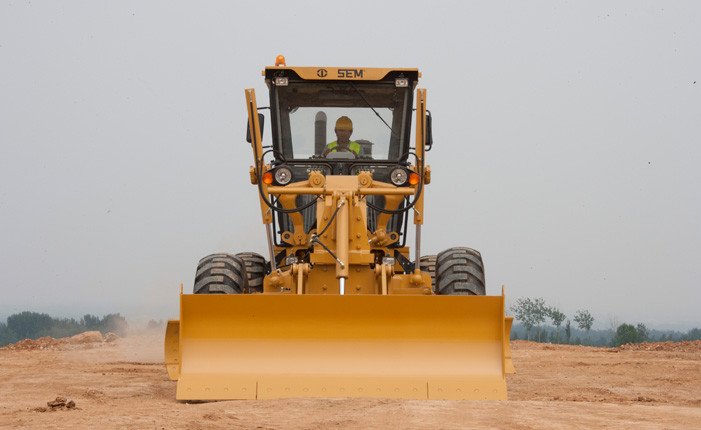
[341,73]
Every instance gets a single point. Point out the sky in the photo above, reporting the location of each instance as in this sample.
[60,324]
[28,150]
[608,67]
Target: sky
[566,144]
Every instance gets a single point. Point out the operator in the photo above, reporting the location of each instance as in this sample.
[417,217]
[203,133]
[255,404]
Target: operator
[344,129]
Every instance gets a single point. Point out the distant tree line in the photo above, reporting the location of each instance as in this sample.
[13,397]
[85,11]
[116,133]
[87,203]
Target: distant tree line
[533,313]
[33,325]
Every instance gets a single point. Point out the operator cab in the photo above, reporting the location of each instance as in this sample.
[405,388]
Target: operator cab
[304,114]
[306,104]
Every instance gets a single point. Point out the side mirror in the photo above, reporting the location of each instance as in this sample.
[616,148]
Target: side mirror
[261,123]
[429,132]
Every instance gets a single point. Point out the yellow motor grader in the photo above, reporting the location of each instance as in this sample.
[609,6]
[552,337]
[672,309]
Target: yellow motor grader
[340,307]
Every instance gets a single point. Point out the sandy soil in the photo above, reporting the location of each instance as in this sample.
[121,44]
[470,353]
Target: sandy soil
[123,384]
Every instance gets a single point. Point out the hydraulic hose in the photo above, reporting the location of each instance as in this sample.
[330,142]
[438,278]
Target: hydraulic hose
[259,175]
[420,165]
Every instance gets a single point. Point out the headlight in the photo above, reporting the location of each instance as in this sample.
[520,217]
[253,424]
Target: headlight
[399,176]
[283,175]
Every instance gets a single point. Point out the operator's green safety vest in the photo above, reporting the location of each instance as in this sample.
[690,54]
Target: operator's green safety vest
[353,146]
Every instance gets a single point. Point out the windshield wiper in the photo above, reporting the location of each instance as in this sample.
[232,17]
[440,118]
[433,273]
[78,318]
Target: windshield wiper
[373,109]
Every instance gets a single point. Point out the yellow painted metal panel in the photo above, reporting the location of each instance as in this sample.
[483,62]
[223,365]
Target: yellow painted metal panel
[468,388]
[348,346]
[342,386]
[420,151]
[508,362]
[216,386]
[172,354]
[257,145]
[342,73]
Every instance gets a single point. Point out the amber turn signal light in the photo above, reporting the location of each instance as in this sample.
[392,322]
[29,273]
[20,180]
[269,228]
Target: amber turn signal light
[268,178]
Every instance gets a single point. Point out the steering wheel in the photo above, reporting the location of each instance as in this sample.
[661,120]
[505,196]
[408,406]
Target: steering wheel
[340,156]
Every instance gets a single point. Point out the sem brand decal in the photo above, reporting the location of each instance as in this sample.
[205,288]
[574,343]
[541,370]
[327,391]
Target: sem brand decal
[350,73]
[322,73]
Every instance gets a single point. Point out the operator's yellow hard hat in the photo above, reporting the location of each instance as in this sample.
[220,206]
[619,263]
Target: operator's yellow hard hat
[344,123]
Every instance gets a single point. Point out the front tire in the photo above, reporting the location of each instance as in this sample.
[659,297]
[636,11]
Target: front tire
[427,263]
[255,270]
[220,274]
[460,272]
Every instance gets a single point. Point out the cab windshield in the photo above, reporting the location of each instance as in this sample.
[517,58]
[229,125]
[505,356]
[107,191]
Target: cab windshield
[307,114]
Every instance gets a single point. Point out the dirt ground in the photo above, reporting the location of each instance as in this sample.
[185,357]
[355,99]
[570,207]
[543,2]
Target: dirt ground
[122,383]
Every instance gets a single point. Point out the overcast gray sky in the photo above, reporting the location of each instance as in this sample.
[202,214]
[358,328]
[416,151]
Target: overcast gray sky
[567,143]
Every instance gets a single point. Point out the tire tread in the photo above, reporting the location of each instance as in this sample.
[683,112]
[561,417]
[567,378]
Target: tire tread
[220,274]
[460,271]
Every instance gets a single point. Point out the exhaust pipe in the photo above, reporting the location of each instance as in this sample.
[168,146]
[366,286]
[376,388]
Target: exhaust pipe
[319,133]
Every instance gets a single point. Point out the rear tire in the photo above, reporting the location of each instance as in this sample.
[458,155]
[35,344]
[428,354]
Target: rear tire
[255,270]
[220,274]
[427,264]
[460,272]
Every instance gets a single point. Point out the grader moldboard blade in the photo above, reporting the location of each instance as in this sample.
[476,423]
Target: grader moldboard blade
[273,346]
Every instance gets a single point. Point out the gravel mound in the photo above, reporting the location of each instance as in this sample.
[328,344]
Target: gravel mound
[683,346]
[88,339]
